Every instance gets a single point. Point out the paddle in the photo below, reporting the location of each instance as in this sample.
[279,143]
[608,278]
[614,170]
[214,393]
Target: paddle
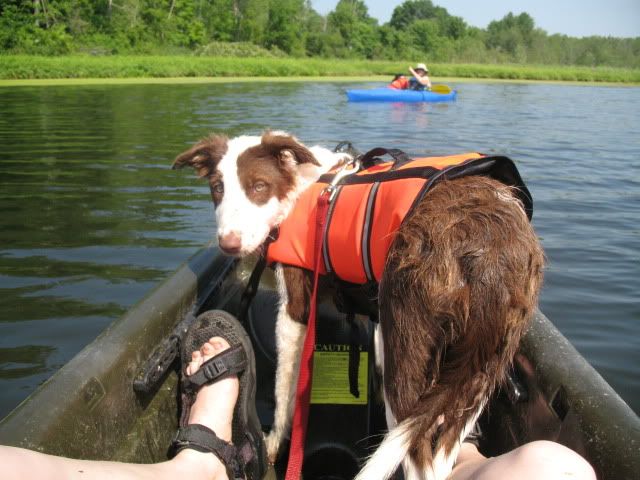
[440,88]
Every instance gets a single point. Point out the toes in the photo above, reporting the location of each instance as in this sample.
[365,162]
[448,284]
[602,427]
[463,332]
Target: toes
[214,346]
[196,361]
[209,349]
[219,343]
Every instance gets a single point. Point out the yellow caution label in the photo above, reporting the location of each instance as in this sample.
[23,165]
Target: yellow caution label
[330,384]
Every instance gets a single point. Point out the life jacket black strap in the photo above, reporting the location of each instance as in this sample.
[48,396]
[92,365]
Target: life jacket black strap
[497,167]
[251,289]
[370,158]
[326,258]
[354,354]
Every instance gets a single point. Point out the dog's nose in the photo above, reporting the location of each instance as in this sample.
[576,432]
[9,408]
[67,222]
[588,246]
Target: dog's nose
[230,243]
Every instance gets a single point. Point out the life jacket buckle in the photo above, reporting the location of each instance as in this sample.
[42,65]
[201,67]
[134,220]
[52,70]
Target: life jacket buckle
[347,169]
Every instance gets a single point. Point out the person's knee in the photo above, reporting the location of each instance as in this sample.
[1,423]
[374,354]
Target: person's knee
[552,460]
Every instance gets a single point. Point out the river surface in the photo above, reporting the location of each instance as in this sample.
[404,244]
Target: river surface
[92,217]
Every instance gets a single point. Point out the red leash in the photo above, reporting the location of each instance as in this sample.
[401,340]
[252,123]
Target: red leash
[303,391]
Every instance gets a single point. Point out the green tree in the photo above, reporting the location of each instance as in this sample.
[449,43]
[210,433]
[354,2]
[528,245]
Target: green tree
[453,27]
[410,11]
[316,27]
[218,19]
[33,27]
[510,32]
[357,29]
[251,18]
[417,29]
[283,26]
[174,22]
[425,35]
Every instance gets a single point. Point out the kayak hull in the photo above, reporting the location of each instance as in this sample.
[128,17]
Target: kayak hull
[392,95]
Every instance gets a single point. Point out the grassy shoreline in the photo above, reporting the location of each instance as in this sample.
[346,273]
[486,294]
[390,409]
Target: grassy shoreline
[22,70]
[61,82]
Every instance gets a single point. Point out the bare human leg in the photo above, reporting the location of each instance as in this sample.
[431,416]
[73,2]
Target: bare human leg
[540,460]
[213,408]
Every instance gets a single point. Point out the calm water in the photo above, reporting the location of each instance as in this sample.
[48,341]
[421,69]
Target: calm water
[92,217]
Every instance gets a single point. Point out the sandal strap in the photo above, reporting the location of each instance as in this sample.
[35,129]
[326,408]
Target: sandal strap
[203,439]
[230,362]
[246,452]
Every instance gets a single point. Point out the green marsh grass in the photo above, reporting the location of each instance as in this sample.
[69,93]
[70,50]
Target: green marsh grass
[18,67]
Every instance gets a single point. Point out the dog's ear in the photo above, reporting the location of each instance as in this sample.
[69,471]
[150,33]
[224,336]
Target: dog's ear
[204,156]
[287,149]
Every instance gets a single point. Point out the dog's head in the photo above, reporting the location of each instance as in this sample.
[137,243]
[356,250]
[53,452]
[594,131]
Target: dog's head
[254,182]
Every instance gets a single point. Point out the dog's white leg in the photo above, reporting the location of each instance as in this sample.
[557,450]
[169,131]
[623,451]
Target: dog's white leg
[289,341]
[442,463]
[386,459]
[389,455]
[413,472]
[378,346]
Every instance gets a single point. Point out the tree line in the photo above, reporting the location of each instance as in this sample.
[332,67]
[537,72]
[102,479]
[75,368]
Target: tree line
[418,30]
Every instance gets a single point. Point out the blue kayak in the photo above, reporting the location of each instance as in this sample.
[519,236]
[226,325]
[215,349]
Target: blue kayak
[391,95]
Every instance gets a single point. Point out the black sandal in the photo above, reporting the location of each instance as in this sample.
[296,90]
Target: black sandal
[246,456]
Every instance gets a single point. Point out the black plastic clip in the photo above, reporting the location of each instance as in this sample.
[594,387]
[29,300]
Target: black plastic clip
[160,361]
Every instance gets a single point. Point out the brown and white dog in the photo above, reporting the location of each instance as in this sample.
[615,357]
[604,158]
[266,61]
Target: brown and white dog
[460,282]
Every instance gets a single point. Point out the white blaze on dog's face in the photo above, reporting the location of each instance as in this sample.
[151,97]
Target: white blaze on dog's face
[254,182]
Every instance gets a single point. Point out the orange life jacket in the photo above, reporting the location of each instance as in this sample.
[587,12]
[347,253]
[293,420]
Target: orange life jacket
[400,83]
[369,207]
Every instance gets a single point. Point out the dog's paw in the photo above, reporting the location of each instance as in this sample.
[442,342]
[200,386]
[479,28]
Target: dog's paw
[272,443]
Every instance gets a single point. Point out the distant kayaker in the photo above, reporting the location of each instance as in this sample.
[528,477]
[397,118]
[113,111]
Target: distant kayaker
[420,80]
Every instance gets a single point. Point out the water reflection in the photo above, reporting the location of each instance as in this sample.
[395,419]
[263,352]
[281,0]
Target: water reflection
[24,361]
[402,113]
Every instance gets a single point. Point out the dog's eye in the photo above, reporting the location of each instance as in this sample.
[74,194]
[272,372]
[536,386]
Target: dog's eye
[218,187]
[259,186]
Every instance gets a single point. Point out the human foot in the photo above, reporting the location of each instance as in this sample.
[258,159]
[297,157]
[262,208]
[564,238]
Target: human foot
[215,402]
[213,407]
[246,457]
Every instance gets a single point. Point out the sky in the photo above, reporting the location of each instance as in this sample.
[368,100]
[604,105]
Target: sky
[576,18]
